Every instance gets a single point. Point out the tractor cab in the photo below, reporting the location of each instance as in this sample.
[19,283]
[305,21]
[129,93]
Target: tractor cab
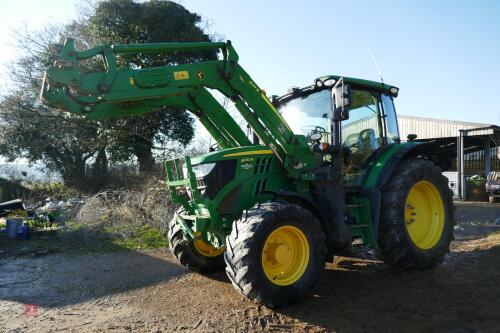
[359,128]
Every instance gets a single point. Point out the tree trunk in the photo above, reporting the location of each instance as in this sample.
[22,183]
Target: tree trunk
[74,175]
[100,167]
[145,158]
[99,171]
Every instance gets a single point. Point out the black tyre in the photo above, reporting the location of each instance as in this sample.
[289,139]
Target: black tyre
[197,255]
[417,216]
[275,253]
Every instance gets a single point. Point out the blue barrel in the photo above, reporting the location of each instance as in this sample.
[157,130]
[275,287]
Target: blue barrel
[23,231]
[12,227]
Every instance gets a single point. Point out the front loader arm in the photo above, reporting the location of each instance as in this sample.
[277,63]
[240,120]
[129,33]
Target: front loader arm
[117,92]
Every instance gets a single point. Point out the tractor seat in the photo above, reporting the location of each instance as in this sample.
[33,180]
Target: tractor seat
[368,142]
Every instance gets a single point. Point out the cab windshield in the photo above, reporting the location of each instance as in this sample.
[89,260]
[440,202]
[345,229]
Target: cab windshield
[305,113]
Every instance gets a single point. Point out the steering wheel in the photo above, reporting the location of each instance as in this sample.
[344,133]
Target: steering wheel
[314,130]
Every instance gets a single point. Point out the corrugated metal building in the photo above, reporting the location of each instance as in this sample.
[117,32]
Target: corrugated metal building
[476,144]
[427,128]
[439,129]
[430,128]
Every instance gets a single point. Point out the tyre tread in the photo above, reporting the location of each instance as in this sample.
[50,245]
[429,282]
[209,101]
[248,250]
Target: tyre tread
[394,245]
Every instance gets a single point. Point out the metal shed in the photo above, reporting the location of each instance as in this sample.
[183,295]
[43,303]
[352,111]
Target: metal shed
[428,128]
[475,145]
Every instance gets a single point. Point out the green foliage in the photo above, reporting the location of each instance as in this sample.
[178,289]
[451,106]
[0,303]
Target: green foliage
[131,22]
[42,190]
[476,181]
[12,190]
[144,237]
[119,21]
[74,239]
[80,149]
[29,130]
[18,213]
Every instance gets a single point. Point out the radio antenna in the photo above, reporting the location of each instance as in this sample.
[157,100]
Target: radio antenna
[374,60]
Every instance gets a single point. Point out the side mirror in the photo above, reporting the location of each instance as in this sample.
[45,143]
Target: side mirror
[411,137]
[341,100]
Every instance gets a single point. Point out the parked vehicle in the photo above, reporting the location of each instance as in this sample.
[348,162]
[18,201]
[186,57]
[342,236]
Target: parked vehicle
[493,186]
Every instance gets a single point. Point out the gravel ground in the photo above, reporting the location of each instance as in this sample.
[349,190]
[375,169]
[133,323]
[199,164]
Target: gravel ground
[148,292]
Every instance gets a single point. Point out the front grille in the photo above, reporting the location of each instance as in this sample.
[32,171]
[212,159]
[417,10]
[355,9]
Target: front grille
[260,186]
[220,176]
[262,165]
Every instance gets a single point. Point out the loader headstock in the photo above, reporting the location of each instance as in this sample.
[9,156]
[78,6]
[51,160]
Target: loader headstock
[69,85]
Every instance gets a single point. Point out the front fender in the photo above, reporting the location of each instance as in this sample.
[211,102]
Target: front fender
[300,200]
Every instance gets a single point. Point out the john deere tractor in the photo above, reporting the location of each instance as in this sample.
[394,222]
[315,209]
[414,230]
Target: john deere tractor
[324,166]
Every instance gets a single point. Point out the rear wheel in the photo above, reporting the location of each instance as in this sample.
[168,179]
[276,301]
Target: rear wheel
[417,216]
[275,253]
[197,255]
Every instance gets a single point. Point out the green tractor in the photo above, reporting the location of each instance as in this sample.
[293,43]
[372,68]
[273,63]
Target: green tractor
[323,166]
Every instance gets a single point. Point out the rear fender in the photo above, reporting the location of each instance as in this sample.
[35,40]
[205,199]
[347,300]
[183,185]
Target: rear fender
[424,150]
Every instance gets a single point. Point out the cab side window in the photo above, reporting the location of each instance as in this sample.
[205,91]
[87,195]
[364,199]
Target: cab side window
[391,120]
[361,133]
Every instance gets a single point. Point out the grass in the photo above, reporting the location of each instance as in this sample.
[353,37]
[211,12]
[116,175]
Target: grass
[145,237]
[77,240]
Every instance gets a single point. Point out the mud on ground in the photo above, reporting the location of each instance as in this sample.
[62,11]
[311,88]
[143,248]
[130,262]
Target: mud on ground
[148,292]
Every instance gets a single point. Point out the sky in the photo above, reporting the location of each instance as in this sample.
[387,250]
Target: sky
[443,55]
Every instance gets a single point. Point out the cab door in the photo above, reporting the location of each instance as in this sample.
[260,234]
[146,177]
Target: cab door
[372,124]
[362,134]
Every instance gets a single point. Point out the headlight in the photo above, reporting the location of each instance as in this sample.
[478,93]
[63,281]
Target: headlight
[201,170]
[329,82]
[394,91]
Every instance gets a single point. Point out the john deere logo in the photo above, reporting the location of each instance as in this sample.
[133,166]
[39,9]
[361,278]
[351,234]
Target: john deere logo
[200,75]
[247,166]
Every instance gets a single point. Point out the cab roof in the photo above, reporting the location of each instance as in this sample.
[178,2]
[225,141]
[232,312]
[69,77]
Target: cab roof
[318,85]
[387,88]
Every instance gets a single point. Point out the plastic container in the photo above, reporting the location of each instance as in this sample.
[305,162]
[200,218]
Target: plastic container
[11,228]
[23,232]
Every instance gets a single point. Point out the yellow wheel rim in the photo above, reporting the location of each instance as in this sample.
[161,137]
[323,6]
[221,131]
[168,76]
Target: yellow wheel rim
[207,250]
[285,255]
[424,215]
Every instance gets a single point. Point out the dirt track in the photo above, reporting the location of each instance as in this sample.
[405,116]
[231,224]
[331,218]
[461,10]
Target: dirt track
[148,292]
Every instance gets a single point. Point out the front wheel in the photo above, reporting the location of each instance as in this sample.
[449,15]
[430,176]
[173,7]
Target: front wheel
[275,253]
[196,255]
[417,216]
